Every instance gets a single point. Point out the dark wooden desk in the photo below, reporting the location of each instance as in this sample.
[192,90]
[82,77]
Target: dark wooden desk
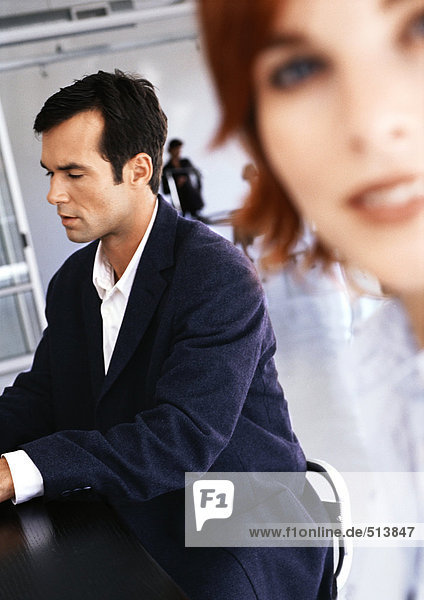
[75,551]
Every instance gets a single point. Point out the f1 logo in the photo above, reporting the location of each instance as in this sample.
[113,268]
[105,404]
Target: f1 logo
[213,499]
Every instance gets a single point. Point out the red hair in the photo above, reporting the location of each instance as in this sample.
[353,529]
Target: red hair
[234,31]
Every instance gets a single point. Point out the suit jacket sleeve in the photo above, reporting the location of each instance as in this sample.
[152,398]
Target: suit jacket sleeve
[221,339]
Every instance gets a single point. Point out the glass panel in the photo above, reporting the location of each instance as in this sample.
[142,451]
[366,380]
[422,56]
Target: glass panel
[11,275]
[19,325]
[21,298]
[11,243]
[6,380]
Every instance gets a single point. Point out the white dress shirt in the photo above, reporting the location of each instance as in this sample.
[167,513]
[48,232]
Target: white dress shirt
[115,296]
[27,479]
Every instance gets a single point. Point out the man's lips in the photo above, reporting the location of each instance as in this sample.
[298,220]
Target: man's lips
[390,201]
[67,219]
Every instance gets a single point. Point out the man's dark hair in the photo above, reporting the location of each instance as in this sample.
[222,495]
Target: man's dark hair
[133,119]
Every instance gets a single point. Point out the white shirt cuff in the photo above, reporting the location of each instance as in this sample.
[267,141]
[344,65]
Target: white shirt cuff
[27,479]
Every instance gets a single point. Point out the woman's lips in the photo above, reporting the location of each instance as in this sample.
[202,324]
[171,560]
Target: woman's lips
[391,202]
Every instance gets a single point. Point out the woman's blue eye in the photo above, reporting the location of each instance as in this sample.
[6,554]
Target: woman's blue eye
[295,72]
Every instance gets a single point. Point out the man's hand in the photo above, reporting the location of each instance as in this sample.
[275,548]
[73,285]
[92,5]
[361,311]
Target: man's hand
[7,490]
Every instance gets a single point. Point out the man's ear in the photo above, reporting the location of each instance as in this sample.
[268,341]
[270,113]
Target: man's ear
[140,169]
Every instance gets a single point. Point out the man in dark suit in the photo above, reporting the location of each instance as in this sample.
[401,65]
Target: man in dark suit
[158,355]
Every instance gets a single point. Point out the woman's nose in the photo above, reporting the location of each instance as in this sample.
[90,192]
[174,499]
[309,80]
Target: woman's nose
[385,132]
[385,111]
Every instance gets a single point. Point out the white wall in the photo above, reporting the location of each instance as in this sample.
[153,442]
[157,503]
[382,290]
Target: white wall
[178,72]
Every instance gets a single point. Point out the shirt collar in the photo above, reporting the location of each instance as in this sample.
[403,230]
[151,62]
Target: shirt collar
[103,275]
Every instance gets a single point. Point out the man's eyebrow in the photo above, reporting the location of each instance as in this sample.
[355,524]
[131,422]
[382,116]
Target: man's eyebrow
[67,167]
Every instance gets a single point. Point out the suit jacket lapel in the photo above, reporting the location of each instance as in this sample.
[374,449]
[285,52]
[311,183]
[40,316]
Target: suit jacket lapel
[93,329]
[149,285]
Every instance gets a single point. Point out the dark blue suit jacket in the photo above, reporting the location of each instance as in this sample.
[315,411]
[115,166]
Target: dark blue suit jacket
[191,387]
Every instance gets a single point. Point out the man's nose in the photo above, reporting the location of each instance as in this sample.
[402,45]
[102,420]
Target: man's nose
[56,193]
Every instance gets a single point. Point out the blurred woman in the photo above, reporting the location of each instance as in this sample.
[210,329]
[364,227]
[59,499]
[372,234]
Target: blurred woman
[328,98]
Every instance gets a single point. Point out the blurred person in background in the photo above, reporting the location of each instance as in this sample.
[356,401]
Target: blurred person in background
[328,98]
[187,180]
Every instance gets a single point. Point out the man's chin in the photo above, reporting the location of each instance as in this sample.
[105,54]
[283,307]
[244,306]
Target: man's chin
[78,238]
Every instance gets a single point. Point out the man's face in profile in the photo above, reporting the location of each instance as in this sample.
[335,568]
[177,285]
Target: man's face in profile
[82,187]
